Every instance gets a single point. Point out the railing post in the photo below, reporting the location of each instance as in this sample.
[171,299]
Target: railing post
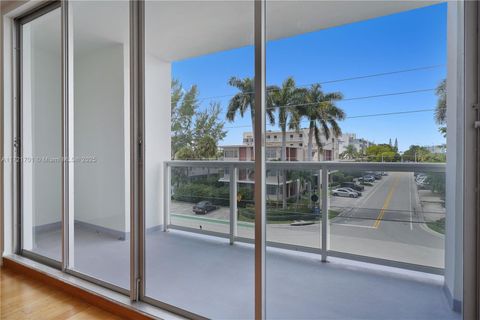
[233,203]
[167,195]
[325,220]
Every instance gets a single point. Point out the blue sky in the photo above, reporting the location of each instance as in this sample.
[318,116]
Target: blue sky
[402,41]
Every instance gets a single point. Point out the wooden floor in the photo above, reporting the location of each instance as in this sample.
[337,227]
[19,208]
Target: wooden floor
[25,298]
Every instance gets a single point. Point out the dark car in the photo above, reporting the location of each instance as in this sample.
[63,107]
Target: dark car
[376,175]
[203,207]
[353,185]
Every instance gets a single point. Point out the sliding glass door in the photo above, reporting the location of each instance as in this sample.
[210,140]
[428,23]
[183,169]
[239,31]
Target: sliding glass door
[99,194]
[210,157]
[198,61]
[41,132]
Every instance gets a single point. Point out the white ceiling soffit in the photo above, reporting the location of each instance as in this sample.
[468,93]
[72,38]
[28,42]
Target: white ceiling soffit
[177,30]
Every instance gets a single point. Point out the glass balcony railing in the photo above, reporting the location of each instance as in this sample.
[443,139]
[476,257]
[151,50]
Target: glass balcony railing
[385,213]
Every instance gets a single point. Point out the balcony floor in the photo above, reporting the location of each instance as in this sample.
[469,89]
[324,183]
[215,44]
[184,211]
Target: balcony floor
[208,276]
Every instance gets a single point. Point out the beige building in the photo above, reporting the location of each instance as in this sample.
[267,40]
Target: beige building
[299,139]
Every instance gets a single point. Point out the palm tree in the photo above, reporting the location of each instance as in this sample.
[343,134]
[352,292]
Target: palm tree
[322,114]
[245,100]
[284,99]
[441,110]
[350,152]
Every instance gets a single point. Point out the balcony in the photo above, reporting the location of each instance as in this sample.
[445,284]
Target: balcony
[387,240]
[381,242]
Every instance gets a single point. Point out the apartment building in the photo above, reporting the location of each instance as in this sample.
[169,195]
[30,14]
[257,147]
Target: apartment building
[347,139]
[275,178]
[299,139]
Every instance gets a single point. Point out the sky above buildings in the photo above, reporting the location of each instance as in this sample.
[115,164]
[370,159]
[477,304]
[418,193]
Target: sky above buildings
[409,47]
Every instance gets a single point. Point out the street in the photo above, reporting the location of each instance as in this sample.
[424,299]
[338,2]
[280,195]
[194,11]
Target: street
[385,222]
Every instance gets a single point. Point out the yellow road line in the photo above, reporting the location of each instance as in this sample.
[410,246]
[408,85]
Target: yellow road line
[386,204]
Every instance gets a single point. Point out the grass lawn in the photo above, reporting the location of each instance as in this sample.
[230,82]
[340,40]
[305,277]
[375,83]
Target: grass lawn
[438,225]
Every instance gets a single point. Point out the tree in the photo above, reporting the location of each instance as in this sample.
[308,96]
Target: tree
[416,153]
[206,148]
[284,100]
[441,109]
[183,109]
[185,153]
[349,153]
[322,114]
[190,127]
[421,154]
[208,124]
[244,101]
[382,153]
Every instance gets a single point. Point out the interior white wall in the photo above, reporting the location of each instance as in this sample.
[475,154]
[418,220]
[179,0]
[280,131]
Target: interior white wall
[157,135]
[455,155]
[99,132]
[46,120]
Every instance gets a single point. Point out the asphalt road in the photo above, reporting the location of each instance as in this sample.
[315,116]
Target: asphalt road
[385,222]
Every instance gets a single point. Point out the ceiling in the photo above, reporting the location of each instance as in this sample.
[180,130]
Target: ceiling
[176,30]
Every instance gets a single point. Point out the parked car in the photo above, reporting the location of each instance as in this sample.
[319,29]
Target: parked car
[350,189]
[343,192]
[353,185]
[367,178]
[204,207]
[420,177]
[376,174]
[422,181]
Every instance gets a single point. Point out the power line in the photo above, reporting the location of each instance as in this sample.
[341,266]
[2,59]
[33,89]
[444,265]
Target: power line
[381,74]
[389,113]
[362,116]
[357,98]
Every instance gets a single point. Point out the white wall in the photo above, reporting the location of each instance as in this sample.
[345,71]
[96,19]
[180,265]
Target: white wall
[99,131]
[47,132]
[157,135]
[41,126]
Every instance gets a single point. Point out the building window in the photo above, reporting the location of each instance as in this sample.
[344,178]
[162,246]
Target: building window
[271,190]
[231,153]
[270,153]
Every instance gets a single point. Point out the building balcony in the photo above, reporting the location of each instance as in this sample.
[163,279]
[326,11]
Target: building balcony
[388,240]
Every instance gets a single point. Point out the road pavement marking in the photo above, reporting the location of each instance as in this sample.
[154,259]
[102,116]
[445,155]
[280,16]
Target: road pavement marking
[353,225]
[386,204]
[359,205]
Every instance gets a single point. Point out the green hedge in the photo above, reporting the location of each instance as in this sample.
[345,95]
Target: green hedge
[282,215]
[219,195]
